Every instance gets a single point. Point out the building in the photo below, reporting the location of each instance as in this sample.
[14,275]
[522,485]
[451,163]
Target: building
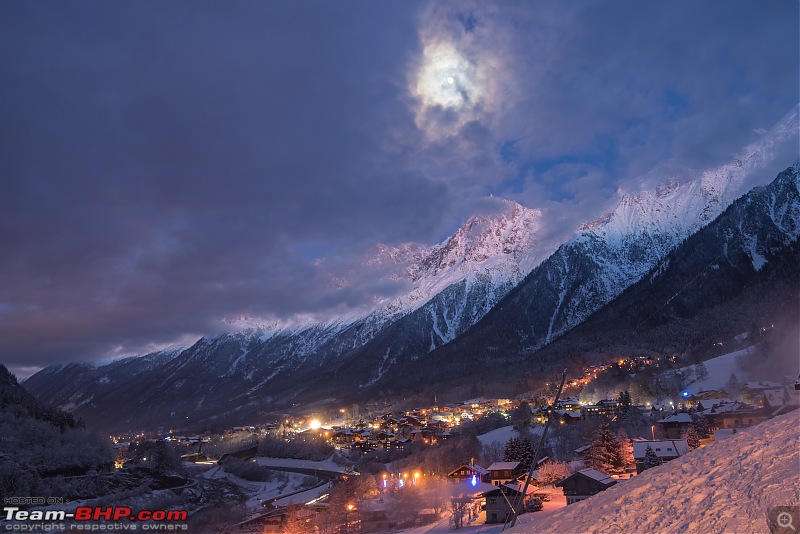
[469,472]
[504,472]
[499,502]
[752,390]
[584,484]
[666,450]
[674,426]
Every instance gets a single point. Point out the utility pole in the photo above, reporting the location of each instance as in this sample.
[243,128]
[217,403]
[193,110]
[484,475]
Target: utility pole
[536,454]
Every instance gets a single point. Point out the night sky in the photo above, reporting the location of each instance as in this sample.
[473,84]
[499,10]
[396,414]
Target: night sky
[167,166]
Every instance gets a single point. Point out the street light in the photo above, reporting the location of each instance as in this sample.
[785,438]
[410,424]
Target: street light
[653,430]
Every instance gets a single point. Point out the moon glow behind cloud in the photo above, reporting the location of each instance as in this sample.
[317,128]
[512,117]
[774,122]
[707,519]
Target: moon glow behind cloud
[446,83]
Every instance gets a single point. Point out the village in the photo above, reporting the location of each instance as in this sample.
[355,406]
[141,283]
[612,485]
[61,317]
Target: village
[476,461]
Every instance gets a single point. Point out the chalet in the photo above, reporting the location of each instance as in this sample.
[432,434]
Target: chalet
[711,394]
[591,410]
[772,398]
[611,406]
[566,417]
[499,502]
[752,390]
[503,472]
[469,472]
[733,415]
[343,437]
[569,404]
[666,450]
[584,484]
[675,425]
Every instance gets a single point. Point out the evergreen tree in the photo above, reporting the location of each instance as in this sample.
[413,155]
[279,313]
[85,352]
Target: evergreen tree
[626,459]
[624,400]
[701,426]
[733,386]
[701,371]
[605,451]
[520,416]
[519,450]
[691,437]
[650,459]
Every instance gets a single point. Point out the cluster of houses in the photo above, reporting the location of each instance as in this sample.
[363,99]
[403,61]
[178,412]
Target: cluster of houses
[397,430]
[387,432]
[572,410]
[501,487]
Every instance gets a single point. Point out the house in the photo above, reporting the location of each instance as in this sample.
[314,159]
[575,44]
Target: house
[666,450]
[609,406]
[733,415]
[583,484]
[772,398]
[499,502]
[711,394]
[467,472]
[675,425]
[569,404]
[752,390]
[565,417]
[504,472]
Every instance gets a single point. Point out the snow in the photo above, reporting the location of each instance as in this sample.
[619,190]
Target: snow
[325,465]
[499,466]
[499,435]
[719,371]
[662,448]
[257,492]
[728,486]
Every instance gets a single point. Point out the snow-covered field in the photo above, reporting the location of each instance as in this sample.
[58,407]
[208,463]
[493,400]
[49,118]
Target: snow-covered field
[325,465]
[499,435]
[285,483]
[719,372]
[728,486]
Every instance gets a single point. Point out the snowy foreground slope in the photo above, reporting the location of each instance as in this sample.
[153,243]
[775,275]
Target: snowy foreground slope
[729,486]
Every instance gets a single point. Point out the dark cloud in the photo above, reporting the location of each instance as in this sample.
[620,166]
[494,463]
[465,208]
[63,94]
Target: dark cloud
[166,166]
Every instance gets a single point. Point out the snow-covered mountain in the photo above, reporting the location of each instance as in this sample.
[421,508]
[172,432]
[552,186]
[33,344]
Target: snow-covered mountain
[609,254]
[452,285]
[475,290]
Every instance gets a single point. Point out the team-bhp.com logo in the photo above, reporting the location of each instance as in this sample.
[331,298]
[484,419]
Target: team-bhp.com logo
[89,518]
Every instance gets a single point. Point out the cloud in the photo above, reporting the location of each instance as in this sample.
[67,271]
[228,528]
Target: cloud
[171,165]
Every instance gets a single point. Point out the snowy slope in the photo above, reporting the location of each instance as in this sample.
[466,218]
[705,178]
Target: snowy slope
[728,486]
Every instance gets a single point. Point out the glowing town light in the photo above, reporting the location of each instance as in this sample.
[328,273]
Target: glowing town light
[474,480]
[315,424]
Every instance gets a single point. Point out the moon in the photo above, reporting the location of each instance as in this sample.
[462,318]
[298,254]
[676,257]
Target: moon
[435,85]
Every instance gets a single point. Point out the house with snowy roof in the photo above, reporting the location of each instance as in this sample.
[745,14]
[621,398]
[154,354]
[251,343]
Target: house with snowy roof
[499,501]
[733,415]
[469,472]
[504,472]
[752,390]
[665,450]
[675,425]
[584,483]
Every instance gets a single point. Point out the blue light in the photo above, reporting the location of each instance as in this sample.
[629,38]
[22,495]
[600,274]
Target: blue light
[685,394]
[474,480]
[401,482]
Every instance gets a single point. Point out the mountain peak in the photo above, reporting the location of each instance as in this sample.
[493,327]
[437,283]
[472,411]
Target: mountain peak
[507,235]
